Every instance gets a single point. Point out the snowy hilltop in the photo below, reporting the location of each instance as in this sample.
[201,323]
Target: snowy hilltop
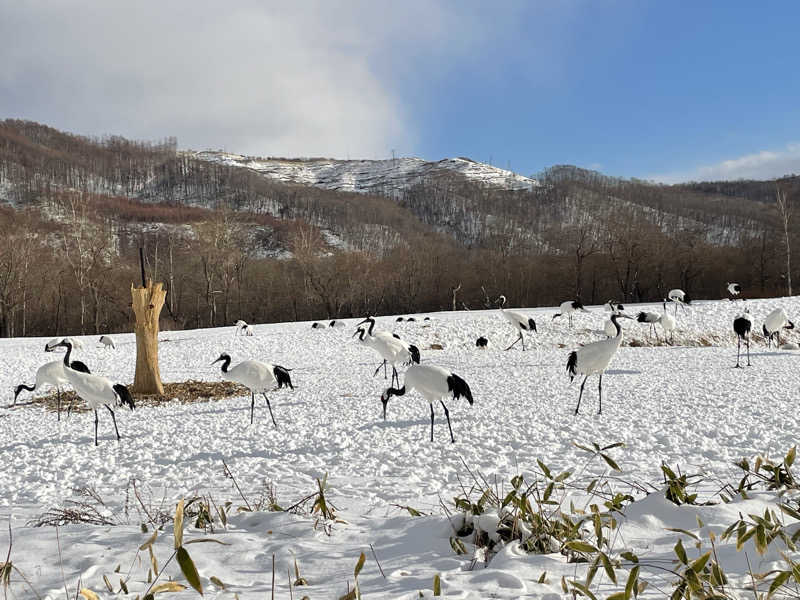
[389,176]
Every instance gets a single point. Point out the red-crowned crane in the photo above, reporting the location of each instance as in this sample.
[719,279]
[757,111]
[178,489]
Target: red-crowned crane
[594,358]
[734,289]
[392,349]
[107,341]
[569,307]
[257,377]
[51,373]
[679,297]
[650,318]
[742,326]
[668,323]
[96,391]
[775,321]
[518,321]
[433,383]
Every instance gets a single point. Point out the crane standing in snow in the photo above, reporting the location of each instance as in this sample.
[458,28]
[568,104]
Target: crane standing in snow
[518,321]
[650,318]
[569,307]
[392,350]
[775,321]
[51,373]
[742,325]
[679,297]
[433,383]
[594,358]
[257,377]
[107,341]
[96,391]
[668,323]
[734,289]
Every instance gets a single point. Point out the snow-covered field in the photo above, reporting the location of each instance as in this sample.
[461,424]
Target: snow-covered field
[684,405]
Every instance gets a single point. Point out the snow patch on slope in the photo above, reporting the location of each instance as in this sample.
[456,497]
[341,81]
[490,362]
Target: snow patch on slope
[390,176]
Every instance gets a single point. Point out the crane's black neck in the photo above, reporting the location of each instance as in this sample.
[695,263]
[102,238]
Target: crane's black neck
[371,322]
[68,346]
[21,387]
[360,333]
[614,318]
[226,361]
[388,394]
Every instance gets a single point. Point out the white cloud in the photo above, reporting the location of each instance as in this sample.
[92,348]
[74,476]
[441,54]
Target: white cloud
[288,79]
[766,164]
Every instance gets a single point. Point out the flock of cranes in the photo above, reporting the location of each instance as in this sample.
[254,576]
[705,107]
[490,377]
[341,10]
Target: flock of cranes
[433,383]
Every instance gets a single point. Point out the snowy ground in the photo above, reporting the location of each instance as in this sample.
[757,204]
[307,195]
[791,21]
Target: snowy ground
[683,404]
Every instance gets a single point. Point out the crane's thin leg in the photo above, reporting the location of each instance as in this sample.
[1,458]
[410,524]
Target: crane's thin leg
[252,405]
[580,395]
[738,352]
[600,394]
[569,316]
[521,337]
[515,342]
[395,376]
[447,414]
[431,421]
[113,418]
[270,411]
[95,427]
[747,341]
[58,402]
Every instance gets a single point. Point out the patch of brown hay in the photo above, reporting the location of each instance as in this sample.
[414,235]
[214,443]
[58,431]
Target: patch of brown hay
[186,392]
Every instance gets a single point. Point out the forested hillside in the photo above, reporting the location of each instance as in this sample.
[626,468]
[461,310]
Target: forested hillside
[231,242]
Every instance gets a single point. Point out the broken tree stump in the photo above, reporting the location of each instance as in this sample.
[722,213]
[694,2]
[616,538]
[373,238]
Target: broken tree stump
[147,303]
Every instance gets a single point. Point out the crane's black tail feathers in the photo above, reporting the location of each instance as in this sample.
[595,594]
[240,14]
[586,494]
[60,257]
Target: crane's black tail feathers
[572,365]
[766,333]
[459,387]
[531,325]
[414,353]
[282,377]
[77,365]
[687,299]
[125,396]
[641,317]
[790,325]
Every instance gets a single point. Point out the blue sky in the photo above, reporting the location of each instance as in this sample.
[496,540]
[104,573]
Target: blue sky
[659,90]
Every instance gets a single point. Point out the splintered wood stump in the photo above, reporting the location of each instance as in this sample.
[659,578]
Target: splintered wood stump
[147,304]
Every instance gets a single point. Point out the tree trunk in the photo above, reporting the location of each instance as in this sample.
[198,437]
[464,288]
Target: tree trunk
[147,304]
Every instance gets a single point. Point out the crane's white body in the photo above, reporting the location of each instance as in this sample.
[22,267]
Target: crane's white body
[596,356]
[337,324]
[734,289]
[569,307]
[241,327]
[433,383]
[248,330]
[678,296]
[107,341]
[255,375]
[651,318]
[775,321]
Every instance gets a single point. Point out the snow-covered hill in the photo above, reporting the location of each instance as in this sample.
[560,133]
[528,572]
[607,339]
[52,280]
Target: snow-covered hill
[389,176]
